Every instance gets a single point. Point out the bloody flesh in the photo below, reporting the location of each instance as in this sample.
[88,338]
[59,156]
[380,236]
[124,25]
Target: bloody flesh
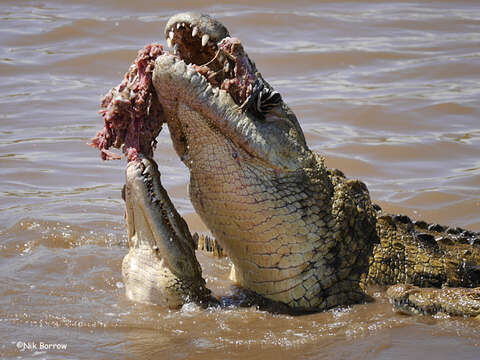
[132,115]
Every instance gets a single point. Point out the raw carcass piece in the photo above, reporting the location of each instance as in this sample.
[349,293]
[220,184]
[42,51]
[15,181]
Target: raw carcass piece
[132,114]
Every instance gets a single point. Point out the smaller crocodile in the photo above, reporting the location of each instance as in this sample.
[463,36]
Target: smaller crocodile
[297,233]
[160,267]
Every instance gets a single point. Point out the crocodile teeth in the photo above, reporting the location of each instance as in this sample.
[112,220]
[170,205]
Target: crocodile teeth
[226,67]
[170,34]
[175,48]
[205,39]
[178,26]
[195,31]
[169,42]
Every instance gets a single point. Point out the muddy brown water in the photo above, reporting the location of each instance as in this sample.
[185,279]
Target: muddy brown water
[388,91]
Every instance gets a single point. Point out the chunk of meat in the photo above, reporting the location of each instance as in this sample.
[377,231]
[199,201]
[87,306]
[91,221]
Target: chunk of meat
[132,115]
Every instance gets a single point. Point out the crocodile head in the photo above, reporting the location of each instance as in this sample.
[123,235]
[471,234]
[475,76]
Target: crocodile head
[264,195]
[161,267]
[210,74]
[410,299]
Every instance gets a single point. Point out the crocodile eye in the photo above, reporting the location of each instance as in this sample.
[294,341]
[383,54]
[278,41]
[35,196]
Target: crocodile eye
[268,99]
[262,99]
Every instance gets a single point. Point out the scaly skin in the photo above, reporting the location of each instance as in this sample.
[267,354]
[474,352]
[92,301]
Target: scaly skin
[297,233]
[411,299]
[426,255]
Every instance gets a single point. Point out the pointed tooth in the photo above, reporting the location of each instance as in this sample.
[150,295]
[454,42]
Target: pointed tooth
[170,34]
[195,31]
[205,39]
[190,71]
[175,48]
[178,26]
[183,24]
[226,67]
[169,42]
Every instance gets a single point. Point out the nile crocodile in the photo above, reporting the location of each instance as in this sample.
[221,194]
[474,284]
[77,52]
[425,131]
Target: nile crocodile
[297,233]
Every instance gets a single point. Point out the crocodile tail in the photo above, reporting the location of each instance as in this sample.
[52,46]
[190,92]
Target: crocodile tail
[423,254]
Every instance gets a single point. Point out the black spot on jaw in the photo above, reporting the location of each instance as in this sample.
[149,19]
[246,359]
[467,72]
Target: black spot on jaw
[404,219]
[124,189]
[436,227]
[427,240]
[421,224]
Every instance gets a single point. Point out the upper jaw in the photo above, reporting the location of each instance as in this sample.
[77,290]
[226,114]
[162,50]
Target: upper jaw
[205,24]
[228,92]
[205,43]
[194,27]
